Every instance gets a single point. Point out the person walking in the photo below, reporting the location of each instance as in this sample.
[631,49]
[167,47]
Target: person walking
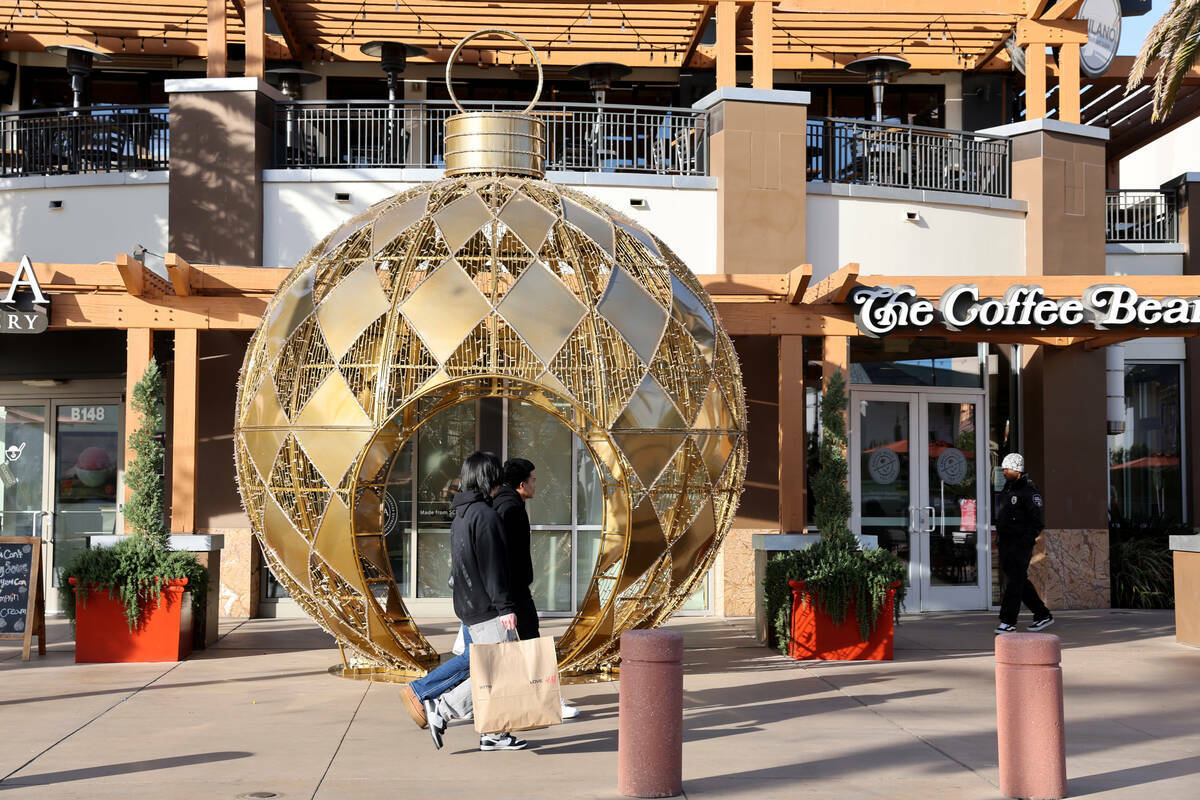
[518,486]
[482,600]
[1020,517]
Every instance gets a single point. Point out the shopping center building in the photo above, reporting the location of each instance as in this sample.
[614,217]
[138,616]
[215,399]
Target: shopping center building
[857,188]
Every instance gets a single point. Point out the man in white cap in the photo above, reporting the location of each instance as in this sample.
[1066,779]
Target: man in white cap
[1019,519]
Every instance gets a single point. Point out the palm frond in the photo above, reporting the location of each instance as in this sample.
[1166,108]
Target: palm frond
[1173,39]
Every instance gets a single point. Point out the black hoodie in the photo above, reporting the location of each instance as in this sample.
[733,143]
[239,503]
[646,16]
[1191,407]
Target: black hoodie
[478,560]
[510,506]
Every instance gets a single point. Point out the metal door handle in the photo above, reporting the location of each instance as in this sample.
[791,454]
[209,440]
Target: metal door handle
[930,517]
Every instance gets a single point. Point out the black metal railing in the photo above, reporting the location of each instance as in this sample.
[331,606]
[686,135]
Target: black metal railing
[65,141]
[1136,216]
[908,157]
[408,133]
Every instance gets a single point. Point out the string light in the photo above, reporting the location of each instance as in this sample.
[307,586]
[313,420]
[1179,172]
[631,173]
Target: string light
[35,10]
[589,13]
[20,13]
[122,45]
[143,45]
[419,31]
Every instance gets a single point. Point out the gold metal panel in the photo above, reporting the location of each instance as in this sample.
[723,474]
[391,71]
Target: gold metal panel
[459,221]
[265,409]
[528,220]
[292,306]
[716,448]
[692,314]
[714,413]
[650,408]
[332,450]
[495,141]
[689,547]
[335,541]
[542,310]
[649,452]
[394,222]
[597,228]
[351,227]
[640,235]
[288,544]
[646,545]
[263,447]
[633,312]
[332,404]
[444,309]
[351,306]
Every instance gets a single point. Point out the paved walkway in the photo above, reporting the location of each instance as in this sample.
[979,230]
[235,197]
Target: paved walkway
[259,713]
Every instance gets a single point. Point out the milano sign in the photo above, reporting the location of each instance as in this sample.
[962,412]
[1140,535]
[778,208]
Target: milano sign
[880,310]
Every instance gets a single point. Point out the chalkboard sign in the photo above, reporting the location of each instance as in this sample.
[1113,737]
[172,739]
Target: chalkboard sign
[22,607]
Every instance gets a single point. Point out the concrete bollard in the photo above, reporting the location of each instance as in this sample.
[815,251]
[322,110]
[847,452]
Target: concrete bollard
[650,723]
[1029,716]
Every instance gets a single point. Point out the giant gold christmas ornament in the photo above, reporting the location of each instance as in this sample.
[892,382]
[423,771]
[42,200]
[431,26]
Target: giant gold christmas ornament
[489,283]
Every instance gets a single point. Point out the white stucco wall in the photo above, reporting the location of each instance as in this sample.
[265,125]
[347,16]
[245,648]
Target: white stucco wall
[1163,159]
[299,207]
[101,215]
[953,235]
[1153,262]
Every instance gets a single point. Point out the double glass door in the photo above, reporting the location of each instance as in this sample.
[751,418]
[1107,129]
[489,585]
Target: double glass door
[918,478]
[59,474]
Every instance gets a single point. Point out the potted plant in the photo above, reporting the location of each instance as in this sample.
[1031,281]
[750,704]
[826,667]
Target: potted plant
[833,600]
[137,600]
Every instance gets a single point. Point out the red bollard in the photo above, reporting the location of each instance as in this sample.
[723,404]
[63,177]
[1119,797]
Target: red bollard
[650,723]
[1029,716]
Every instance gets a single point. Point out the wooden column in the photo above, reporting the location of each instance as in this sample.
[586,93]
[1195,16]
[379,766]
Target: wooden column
[256,39]
[216,39]
[139,351]
[1035,81]
[726,43]
[764,49]
[1068,82]
[186,396]
[793,490]
[836,356]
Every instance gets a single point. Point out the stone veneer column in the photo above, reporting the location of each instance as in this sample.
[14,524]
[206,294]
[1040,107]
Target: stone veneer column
[1187,200]
[221,141]
[758,154]
[1058,168]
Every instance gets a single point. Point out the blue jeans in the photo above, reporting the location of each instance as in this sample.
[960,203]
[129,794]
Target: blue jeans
[446,675]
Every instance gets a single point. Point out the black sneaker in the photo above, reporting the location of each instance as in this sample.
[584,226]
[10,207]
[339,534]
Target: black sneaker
[1003,627]
[437,723]
[500,741]
[1039,624]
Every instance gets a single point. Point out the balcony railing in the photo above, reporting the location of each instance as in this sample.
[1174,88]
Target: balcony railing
[908,157]
[369,133]
[65,141]
[1140,216]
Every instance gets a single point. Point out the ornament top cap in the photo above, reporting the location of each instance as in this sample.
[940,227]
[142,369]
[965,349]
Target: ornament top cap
[495,142]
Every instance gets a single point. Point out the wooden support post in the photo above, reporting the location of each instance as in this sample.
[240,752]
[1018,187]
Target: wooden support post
[216,39]
[726,44]
[793,490]
[186,397]
[1035,81]
[256,39]
[836,356]
[139,351]
[1068,82]
[764,48]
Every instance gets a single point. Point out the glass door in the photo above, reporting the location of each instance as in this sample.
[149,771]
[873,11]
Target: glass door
[952,512]
[23,431]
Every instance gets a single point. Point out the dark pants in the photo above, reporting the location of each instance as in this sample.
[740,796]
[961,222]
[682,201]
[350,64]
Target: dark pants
[527,618]
[1015,554]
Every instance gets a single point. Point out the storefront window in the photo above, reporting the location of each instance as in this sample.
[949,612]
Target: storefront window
[896,361]
[22,432]
[86,454]
[1004,404]
[1146,461]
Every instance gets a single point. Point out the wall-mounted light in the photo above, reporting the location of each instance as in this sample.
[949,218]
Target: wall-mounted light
[56,205]
[912,216]
[638,202]
[341,197]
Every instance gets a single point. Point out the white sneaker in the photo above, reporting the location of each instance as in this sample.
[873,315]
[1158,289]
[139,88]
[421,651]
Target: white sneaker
[569,712]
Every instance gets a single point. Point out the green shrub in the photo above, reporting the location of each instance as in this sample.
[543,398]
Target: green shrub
[1141,567]
[137,568]
[834,570]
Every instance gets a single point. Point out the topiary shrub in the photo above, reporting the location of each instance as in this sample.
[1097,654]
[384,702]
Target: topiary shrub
[836,573]
[138,567]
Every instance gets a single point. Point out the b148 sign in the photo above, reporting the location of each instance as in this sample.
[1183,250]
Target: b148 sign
[879,310]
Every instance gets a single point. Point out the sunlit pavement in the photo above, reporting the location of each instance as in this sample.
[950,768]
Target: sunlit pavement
[259,713]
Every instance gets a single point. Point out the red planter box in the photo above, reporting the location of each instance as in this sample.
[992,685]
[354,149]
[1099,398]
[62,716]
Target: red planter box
[814,636]
[102,633]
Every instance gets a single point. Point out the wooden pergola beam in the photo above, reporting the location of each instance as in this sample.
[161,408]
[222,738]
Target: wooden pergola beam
[798,280]
[697,33]
[834,289]
[133,274]
[180,272]
[216,39]
[1031,32]
[281,11]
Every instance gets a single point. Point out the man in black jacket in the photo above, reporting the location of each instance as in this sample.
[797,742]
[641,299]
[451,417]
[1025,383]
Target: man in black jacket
[482,598]
[1020,518]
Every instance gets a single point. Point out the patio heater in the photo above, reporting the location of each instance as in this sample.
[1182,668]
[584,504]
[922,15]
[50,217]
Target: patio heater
[392,58]
[79,66]
[291,81]
[878,70]
[600,76]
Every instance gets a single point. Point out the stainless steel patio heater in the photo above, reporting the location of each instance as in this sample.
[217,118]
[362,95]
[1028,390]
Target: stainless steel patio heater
[878,70]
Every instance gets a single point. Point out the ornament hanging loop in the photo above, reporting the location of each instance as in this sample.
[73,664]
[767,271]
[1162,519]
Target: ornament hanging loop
[537,95]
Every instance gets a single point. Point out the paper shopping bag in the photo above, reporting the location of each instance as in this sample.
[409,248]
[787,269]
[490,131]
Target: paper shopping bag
[514,685]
